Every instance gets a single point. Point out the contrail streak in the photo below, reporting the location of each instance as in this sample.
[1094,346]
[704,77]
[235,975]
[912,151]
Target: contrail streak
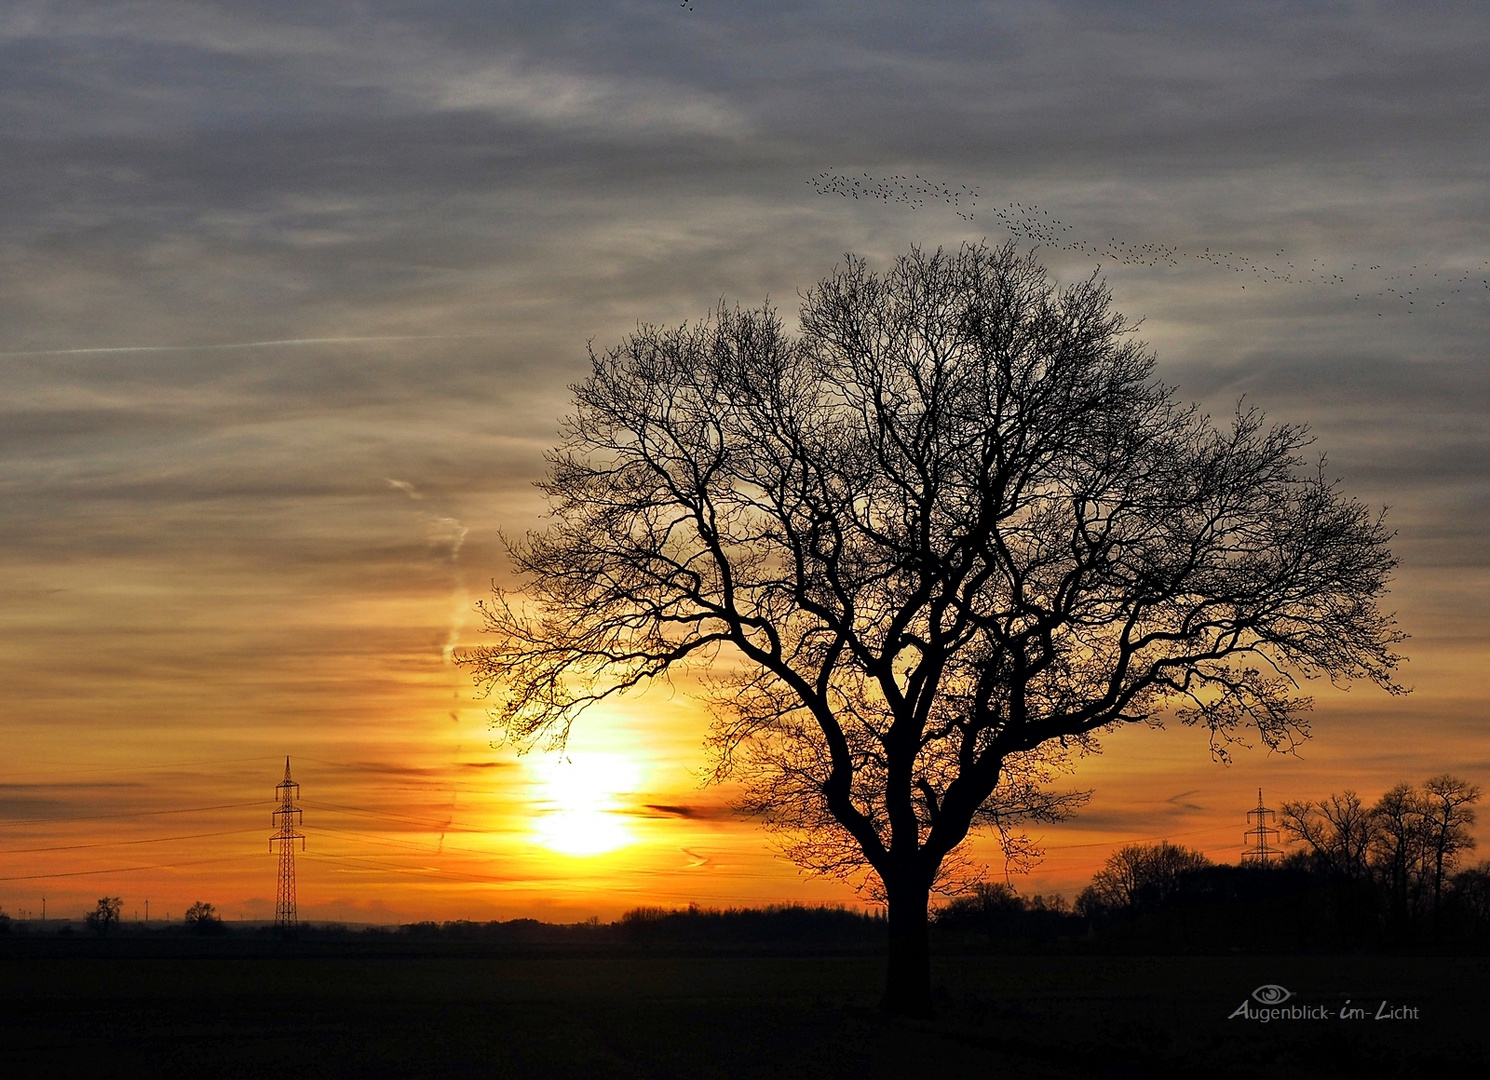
[284,343]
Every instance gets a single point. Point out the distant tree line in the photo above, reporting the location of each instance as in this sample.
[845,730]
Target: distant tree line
[1384,874]
[107,915]
[994,912]
[774,926]
[786,925]
[1397,861]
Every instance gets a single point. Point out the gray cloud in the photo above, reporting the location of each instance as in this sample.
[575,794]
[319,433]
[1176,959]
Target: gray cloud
[691,812]
[60,801]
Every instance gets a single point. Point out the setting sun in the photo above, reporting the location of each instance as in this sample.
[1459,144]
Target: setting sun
[578,806]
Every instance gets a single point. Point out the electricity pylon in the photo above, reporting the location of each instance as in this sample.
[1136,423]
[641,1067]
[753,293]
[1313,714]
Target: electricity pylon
[286,818]
[1260,849]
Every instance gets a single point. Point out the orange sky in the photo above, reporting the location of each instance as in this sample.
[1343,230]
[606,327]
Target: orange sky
[289,300]
[409,813]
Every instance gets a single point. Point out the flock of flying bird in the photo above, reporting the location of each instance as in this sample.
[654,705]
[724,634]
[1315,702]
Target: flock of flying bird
[1410,290]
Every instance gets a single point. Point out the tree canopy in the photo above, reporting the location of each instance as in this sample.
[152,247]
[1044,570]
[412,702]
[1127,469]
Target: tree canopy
[927,548]
[105,915]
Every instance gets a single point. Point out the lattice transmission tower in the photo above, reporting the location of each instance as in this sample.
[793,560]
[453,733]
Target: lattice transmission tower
[1260,849]
[286,818]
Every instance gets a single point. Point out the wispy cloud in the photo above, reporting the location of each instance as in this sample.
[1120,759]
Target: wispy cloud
[284,344]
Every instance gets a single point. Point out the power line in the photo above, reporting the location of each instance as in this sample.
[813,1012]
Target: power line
[131,813]
[125,843]
[366,836]
[1137,840]
[369,837]
[424,872]
[32,773]
[433,826]
[377,838]
[129,869]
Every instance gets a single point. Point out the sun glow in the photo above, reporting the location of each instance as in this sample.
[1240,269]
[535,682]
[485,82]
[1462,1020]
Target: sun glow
[579,812]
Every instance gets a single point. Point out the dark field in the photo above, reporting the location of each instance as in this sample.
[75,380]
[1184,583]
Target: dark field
[256,1012]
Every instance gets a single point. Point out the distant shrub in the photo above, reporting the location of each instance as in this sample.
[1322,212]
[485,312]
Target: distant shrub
[995,911]
[105,916]
[1139,877]
[203,919]
[792,924]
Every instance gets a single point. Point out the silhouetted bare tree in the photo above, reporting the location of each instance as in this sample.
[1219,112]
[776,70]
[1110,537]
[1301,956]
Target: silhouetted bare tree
[1448,812]
[1339,832]
[105,916]
[1405,845]
[1399,850]
[1139,875]
[203,918]
[931,546]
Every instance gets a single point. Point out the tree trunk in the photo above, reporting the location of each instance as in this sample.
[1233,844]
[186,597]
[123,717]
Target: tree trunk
[1438,894]
[908,979]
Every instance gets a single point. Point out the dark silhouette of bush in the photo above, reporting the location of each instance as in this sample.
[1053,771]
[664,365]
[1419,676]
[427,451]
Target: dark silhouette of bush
[203,919]
[789,925]
[792,924]
[992,912]
[1466,905]
[105,916]
[512,932]
[1138,877]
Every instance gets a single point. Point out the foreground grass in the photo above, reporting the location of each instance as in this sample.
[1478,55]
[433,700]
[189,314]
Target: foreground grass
[725,1016]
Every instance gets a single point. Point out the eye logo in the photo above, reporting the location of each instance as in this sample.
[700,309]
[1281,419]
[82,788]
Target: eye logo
[1271,994]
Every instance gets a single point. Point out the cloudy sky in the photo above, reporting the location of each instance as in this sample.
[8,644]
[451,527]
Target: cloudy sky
[290,295]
